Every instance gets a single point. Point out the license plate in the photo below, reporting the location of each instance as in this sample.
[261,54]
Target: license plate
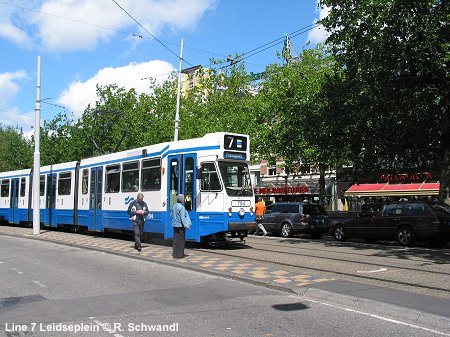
[240,203]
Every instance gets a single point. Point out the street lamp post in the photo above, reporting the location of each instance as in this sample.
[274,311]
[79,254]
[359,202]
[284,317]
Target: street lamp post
[177,113]
[37,154]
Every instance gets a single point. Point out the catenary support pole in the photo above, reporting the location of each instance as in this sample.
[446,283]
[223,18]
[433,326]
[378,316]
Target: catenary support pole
[37,154]
[177,113]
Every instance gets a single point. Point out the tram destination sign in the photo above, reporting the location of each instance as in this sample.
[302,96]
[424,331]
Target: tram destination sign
[234,155]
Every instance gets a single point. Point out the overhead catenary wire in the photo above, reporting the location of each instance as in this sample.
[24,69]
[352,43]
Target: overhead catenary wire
[243,56]
[145,29]
[106,28]
[271,44]
[69,19]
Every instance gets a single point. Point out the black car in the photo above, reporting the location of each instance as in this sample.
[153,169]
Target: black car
[404,221]
[289,218]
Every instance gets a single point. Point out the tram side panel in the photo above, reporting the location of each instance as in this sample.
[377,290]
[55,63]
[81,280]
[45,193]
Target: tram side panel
[210,221]
[14,194]
[24,198]
[65,197]
[83,197]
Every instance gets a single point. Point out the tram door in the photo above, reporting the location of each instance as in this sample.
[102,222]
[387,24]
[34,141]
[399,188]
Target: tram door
[14,201]
[181,179]
[95,221]
[50,200]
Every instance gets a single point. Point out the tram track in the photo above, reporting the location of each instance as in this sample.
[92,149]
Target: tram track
[349,260]
[414,278]
[397,249]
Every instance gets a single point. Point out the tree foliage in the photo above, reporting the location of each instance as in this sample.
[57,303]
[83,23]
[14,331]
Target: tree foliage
[296,114]
[395,57]
[15,150]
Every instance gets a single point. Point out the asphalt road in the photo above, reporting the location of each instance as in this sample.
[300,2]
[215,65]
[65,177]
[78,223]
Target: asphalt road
[46,287]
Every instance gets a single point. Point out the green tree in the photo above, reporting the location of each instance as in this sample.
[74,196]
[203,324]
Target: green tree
[395,57]
[15,150]
[112,124]
[298,120]
[56,143]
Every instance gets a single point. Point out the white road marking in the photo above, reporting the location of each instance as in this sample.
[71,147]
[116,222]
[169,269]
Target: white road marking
[371,271]
[39,284]
[17,271]
[379,317]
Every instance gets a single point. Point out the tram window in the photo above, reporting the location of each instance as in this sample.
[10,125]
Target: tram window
[64,183]
[42,186]
[151,175]
[173,184]
[22,186]
[130,177]
[236,179]
[189,183]
[85,181]
[112,179]
[210,178]
[5,188]
[174,176]
[51,191]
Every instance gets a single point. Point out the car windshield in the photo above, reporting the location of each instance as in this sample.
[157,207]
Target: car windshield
[236,178]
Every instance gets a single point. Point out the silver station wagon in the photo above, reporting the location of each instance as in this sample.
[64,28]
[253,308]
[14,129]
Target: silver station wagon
[289,218]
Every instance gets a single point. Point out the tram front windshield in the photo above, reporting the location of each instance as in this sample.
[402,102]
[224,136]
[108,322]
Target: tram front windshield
[236,179]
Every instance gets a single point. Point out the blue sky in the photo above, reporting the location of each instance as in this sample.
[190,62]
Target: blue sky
[85,42]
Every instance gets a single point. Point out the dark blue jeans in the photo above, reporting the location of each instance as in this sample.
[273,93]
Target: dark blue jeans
[138,229]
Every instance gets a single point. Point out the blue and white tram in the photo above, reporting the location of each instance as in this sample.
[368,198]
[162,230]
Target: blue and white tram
[57,194]
[15,196]
[212,172]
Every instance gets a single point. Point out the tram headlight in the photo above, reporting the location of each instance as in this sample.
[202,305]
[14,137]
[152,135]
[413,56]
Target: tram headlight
[229,211]
[241,212]
[251,211]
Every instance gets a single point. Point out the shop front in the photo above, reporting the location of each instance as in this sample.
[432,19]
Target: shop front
[392,188]
[292,188]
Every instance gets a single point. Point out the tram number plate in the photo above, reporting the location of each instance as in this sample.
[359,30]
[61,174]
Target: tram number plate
[240,203]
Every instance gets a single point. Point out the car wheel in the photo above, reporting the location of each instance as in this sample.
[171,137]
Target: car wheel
[406,236]
[340,234]
[286,230]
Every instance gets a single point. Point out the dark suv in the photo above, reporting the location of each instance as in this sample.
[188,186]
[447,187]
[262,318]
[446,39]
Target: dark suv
[289,218]
[405,221]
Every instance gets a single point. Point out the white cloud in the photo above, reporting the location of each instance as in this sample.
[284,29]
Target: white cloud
[13,117]
[68,25]
[11,27]
[9,86]
[319,34]
[16,35]
[79,94]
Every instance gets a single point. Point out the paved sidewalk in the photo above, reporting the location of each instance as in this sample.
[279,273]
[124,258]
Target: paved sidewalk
[267,275]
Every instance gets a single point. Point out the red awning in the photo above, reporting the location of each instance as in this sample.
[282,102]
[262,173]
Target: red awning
[390,190]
